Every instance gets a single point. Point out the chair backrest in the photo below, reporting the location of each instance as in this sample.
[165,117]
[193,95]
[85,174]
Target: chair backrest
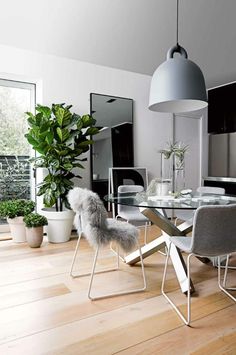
[211,190]
[130,188]
[214,230]
[96,227]
[89,209]
[126,176]
[122,189]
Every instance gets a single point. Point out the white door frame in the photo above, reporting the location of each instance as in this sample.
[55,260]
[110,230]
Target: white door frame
[36,96]
[203,141]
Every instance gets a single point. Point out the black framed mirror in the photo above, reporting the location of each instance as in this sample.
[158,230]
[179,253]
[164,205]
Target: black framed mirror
[113,145]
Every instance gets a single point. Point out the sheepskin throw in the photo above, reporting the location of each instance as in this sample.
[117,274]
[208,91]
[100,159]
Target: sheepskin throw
[95,224]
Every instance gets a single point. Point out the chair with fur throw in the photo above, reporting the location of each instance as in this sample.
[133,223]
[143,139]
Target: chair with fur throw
[92,221]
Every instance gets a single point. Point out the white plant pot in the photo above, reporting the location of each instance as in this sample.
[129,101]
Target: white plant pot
[17,229]
[59,224]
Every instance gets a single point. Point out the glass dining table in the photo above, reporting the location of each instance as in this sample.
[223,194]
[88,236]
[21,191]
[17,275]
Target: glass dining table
[155,209]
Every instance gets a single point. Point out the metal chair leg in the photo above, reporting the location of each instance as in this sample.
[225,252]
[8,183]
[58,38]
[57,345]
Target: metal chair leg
[145,233]
[118,257]
[143,270]
[116,293]
[147,224]
[226,271]
[92,272]
[227,267]
[116,253]
[184,319]
[219,281]
[74,275]
[74,258]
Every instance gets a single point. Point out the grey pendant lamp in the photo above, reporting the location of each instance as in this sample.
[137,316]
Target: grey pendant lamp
[178,84]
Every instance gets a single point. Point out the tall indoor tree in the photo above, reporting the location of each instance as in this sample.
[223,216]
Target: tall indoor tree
[60,137]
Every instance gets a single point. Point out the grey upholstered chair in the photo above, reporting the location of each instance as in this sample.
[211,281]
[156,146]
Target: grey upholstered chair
[210,190]
[185,215]
[129,213]
[92,222]
[214,234]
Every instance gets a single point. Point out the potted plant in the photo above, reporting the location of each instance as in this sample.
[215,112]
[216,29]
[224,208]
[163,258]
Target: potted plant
[60,137]
[178,150]
[14,211]
[34,223]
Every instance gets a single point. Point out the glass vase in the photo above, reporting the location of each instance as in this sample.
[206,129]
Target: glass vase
[179,173]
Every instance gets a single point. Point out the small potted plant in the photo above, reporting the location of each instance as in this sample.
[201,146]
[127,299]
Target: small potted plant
[178,150]
[34,223]
[14,211]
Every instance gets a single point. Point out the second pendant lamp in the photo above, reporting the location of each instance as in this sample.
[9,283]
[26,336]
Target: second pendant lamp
[178,84]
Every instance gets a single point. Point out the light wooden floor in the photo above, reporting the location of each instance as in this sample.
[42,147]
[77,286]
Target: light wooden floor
[44,311]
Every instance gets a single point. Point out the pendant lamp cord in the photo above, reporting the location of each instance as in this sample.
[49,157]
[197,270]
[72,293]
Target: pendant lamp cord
[177,23]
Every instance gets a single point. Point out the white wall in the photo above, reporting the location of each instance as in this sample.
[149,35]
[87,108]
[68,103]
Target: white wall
[65,80]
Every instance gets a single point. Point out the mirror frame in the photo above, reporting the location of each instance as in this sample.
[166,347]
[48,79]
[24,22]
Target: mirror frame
[91,147]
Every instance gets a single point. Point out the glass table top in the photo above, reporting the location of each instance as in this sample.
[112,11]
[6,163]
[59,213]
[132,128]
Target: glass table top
[170,202]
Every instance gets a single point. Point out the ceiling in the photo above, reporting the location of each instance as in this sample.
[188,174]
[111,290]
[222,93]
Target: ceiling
[132,35]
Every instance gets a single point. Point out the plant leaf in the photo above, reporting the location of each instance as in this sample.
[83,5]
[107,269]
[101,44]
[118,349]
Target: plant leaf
[78,165]
[46,111]
[53,186]
[49,198]
[49,138]
[88,121]
[59,133]
[38,118]
[31,140]
[92,131]
[65,134]
[85,143]
[59,113]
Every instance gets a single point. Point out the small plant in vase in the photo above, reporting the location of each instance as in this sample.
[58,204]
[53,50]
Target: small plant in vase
[179,150]
[175,151]
[34,223]
[14,211]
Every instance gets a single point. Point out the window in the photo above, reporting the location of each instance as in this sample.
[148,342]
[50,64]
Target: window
[16,179]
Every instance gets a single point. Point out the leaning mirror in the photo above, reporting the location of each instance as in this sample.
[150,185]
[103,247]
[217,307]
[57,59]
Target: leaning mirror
[113,146]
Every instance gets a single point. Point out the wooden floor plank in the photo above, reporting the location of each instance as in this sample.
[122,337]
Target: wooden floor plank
[44,311]
[184,340]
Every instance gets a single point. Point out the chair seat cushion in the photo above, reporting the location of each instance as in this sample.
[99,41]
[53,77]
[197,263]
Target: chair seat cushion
[183,243]
[125,234]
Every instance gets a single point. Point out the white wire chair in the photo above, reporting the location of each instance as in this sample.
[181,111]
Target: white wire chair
[100,231]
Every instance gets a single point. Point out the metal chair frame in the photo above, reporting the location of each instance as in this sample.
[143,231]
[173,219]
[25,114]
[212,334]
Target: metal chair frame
[93,272]
[187,319]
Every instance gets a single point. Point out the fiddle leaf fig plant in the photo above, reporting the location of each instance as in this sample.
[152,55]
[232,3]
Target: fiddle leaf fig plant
[60,137]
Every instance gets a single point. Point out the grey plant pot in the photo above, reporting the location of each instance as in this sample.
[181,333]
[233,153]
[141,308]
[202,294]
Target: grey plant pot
[34,236]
